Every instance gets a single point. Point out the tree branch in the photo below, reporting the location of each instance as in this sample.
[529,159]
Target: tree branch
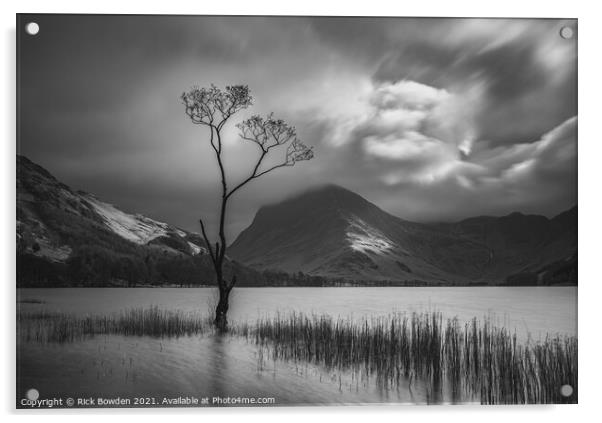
[232,283]
[274,168]
[211,254]
[253,174]
[213,107]
[259,131]
[211,141]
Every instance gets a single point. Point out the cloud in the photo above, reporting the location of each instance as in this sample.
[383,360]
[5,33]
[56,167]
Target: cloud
[428,118]
[525,177]
[413,130]
[419,143]
[518,65]
[407,95]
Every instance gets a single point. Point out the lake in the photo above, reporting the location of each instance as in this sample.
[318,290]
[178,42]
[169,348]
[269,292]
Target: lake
[213,366]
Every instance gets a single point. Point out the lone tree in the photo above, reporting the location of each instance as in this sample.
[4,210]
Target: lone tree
[213,107]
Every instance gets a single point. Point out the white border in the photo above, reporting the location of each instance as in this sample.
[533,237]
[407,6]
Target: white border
[590,213]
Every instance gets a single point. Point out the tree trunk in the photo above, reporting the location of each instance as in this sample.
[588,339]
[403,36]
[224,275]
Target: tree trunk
[221,311]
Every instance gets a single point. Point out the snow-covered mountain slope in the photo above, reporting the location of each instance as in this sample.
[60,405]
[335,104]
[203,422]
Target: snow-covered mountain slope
[141,229]
[51,216]
[366,239]
[331,231]
[135,228]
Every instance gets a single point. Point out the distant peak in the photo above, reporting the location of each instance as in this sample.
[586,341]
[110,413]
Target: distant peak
[570,214]
[321,193]
[334,188]
[26,167]
[516,214]
[325,187]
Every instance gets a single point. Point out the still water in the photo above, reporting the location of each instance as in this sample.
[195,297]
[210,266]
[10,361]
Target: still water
[213,366]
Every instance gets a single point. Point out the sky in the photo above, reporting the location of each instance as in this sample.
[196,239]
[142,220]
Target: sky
[430,119]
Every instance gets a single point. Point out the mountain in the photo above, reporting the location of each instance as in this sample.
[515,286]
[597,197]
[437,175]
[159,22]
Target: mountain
[333,232]
[522,244]
[48,213]
[324,236]
[67,237]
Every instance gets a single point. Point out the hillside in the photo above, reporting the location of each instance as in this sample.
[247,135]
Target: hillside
[67,238]
[333,232]
[325,236]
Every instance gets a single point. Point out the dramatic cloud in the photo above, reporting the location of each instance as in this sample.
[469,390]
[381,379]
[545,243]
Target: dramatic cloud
[415,128]
[431,119]
[419,142]
[519,66]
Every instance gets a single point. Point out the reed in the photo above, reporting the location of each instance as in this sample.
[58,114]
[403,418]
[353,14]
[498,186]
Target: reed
[43,326]
[477,360]
[30,301]
[473,361]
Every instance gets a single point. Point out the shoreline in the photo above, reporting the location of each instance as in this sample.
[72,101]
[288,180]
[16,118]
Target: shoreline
[480,285]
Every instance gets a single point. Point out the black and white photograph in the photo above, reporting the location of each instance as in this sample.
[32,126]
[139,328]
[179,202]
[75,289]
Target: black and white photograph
[269,211]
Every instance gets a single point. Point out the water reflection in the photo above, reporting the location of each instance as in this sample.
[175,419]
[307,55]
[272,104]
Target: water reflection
[217,359]
[218,365]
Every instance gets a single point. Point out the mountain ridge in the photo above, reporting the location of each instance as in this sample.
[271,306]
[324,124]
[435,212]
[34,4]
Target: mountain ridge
[327,186]
[72,238]
[323,236]
[36,185]
[331,230]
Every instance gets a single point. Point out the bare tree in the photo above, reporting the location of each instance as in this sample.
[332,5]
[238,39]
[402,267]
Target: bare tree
[213,107]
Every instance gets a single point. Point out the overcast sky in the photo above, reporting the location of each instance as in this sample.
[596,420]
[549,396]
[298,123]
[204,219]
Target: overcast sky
[431,119]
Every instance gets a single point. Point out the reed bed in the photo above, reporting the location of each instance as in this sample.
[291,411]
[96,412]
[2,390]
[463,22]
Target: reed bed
[44,326]
[476,361]
[30,301]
